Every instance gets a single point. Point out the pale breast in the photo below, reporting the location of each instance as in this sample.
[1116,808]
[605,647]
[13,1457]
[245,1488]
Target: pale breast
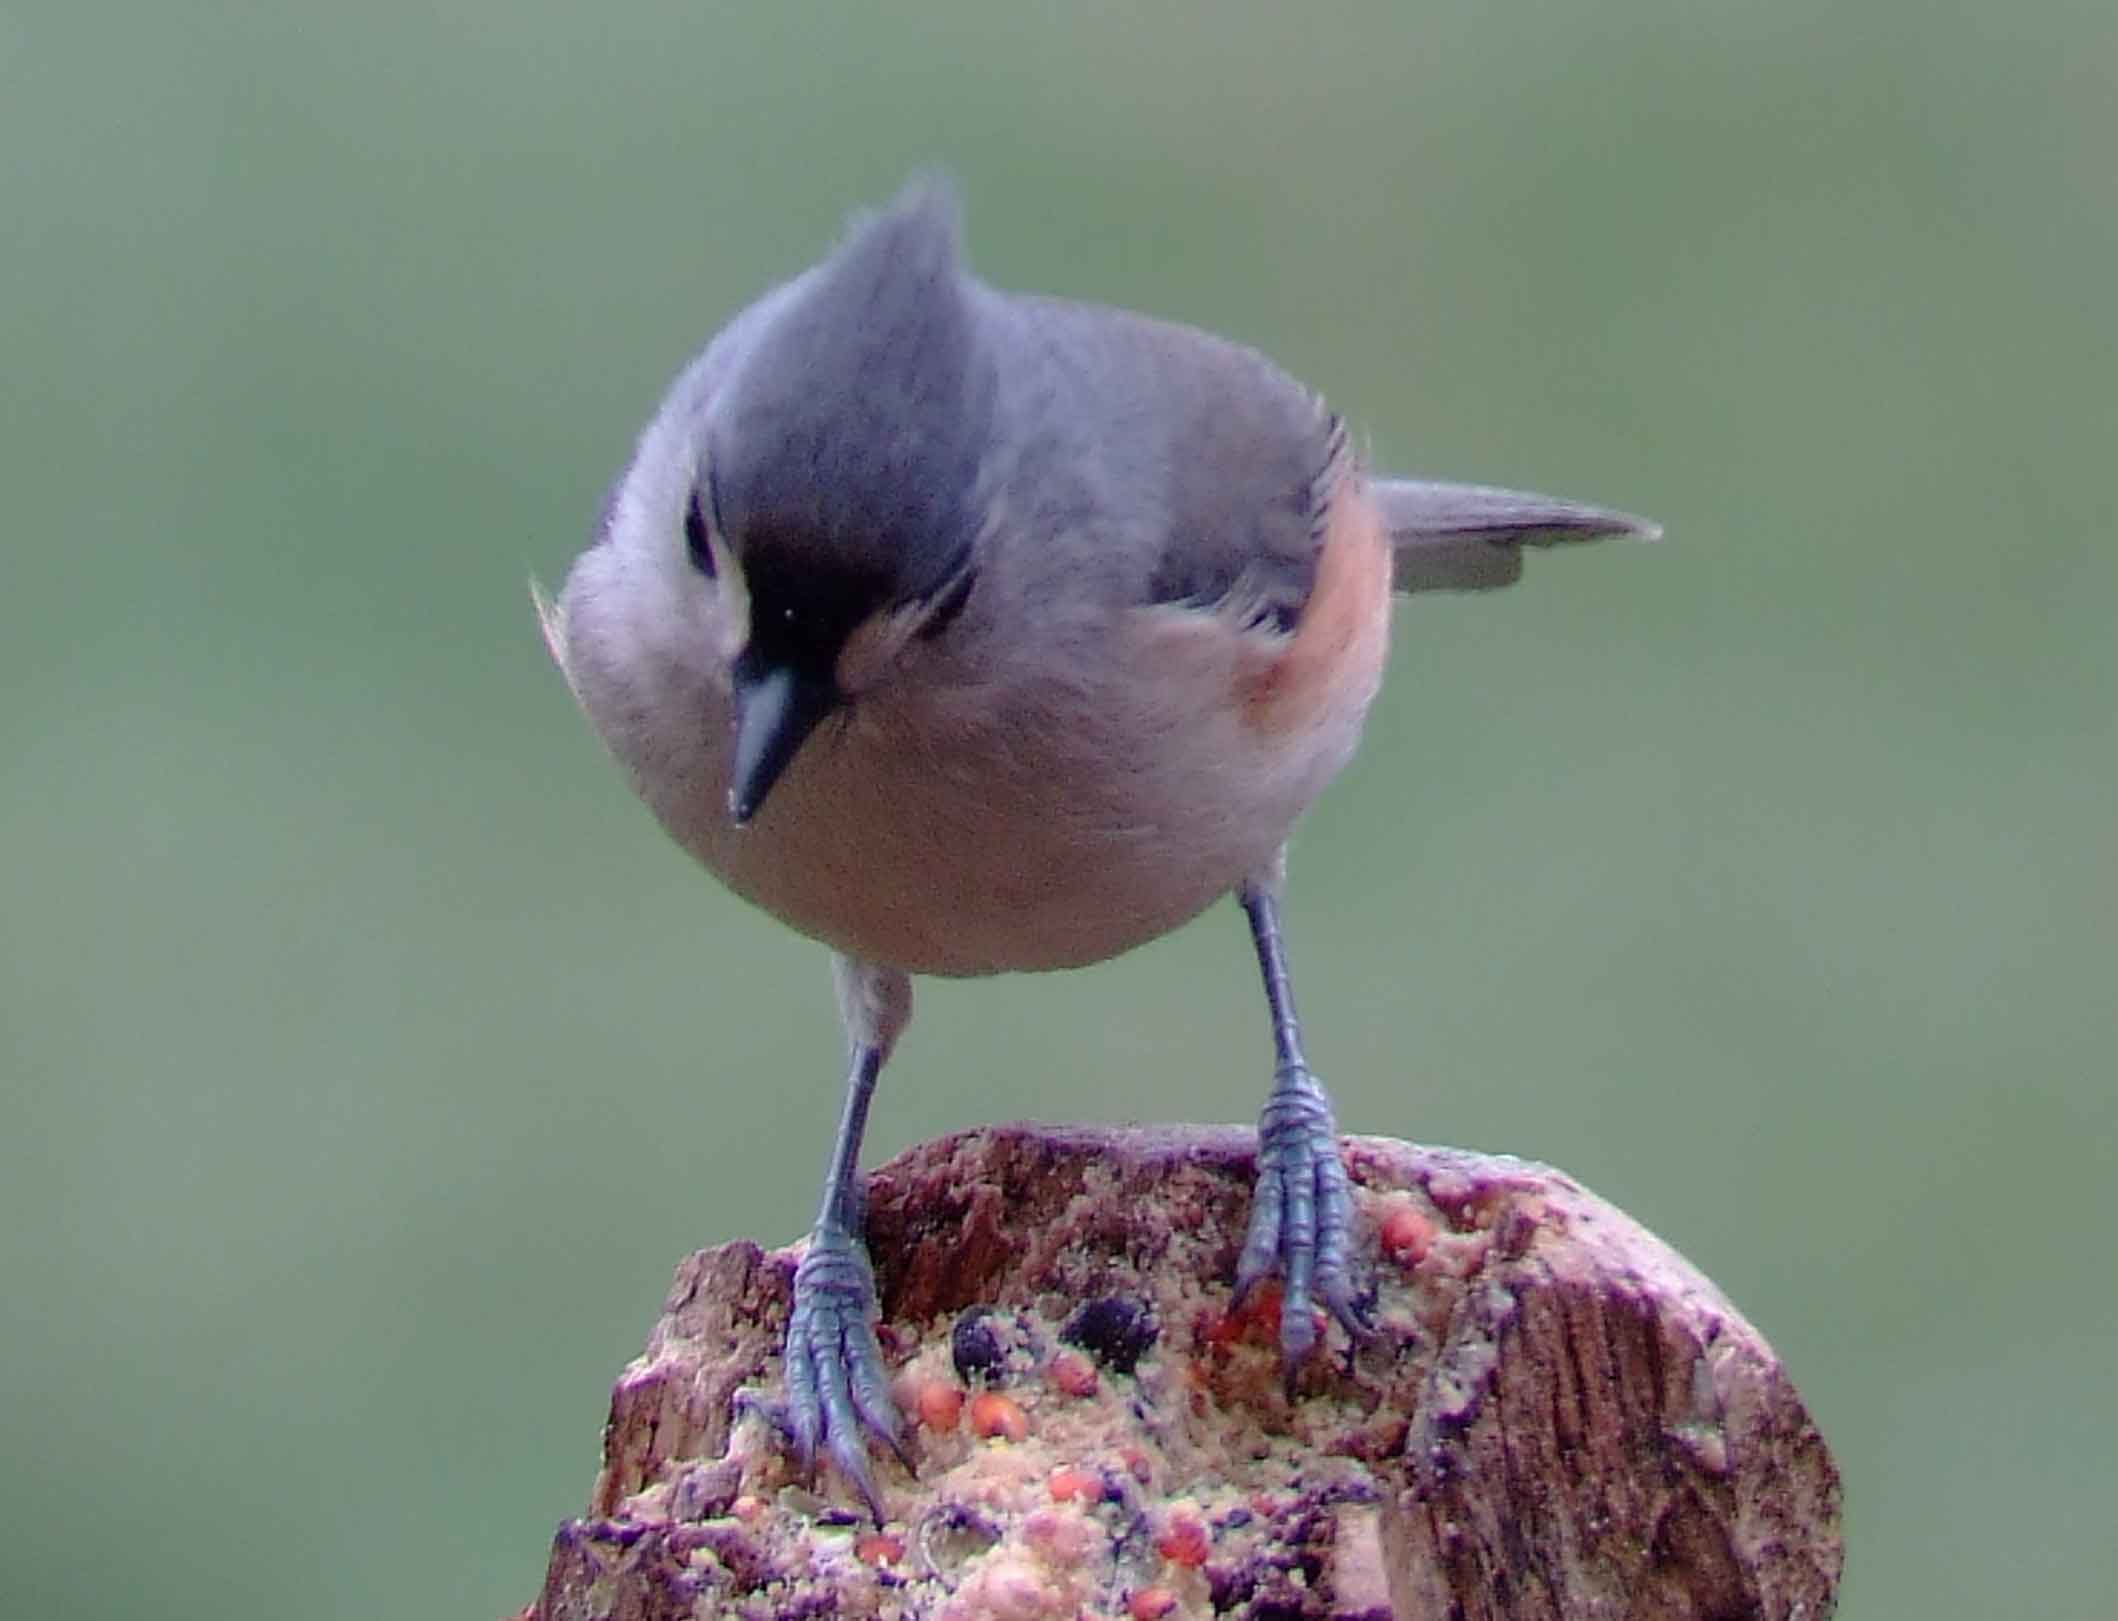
[1018,827]
[1016,823]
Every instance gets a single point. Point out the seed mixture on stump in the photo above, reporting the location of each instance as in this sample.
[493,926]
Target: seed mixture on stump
[1555,1416]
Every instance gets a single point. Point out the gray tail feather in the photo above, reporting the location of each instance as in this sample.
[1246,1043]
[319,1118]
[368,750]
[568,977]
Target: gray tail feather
[1469,537]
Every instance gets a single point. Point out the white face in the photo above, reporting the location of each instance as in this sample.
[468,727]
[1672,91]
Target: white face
[648,527]
[664,526]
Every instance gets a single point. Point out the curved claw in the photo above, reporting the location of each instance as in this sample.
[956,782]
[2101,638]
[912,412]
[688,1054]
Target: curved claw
[1301,1217]
[838,1390]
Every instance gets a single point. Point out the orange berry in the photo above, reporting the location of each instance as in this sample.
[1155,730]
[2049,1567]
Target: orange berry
[1259,1318]
[1150,1603]
[996,1416]
[1183,1539]
[1073,1373]
[1073,1484]
[1406,1235]
[939,1404]
[879,1548]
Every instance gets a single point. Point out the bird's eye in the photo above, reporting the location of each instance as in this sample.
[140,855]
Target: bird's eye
[695,532]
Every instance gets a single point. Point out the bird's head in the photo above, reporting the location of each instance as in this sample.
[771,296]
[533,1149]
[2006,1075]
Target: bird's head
[812,480]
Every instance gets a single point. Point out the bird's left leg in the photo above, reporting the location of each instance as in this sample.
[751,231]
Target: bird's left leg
[1302,1211]
[837,1389]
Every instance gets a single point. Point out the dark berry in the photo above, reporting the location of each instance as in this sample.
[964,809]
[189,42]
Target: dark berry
[1116,1331]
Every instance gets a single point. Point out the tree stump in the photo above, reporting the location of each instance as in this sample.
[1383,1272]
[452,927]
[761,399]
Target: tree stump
[1556,1416]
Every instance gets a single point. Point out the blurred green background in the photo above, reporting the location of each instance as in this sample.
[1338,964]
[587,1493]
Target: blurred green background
[369,1057]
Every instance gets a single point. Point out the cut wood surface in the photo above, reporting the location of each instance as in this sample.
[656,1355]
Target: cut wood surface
[1556,1416]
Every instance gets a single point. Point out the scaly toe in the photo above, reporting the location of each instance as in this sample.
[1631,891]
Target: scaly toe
[1301,1217]
[837,1387]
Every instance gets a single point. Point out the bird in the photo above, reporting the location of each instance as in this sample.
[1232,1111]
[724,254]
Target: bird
[968,632]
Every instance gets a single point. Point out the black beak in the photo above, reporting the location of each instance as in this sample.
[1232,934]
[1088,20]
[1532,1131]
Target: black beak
[776,708]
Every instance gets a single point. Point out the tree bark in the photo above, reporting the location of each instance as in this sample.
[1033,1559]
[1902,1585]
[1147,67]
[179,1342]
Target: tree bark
[1556,1415]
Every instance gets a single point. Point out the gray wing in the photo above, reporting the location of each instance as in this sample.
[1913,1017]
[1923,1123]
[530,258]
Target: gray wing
[1469,537]
[1196,463]
[1221,462]
[1254,458]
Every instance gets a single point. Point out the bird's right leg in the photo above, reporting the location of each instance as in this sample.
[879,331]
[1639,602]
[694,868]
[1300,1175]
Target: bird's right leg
[837,1389]
[1301,1216]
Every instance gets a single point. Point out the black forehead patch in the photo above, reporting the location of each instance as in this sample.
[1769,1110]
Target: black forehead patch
[802,611]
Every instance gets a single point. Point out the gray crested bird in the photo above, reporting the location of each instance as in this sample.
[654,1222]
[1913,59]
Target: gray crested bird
[967,631]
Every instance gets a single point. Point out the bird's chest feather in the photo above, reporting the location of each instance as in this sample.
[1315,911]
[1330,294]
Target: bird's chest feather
[1030,824]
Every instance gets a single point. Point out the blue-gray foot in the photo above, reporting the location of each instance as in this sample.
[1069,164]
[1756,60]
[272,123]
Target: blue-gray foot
[837,1389]
[1301,1216]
